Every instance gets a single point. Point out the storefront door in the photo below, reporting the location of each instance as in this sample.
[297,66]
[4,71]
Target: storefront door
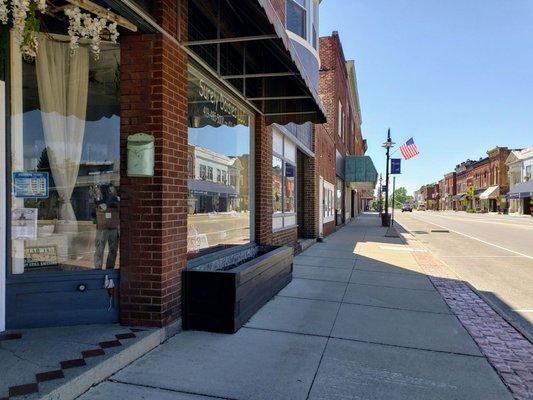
[63,180]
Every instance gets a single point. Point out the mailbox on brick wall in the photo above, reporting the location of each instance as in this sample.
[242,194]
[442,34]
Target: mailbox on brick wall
[141,155]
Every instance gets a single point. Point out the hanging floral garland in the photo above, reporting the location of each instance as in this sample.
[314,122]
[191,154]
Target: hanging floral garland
[26,25]
[85,26]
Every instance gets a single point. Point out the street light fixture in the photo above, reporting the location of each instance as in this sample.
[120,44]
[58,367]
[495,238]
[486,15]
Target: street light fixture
[385,218]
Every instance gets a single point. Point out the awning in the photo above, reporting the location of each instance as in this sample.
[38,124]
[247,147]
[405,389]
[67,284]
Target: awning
[459,197]
[245,44]
[521,191]
[197,186]
[360,172]
[492,192]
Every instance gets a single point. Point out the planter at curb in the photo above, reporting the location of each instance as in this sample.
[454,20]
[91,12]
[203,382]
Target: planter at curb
[222,298]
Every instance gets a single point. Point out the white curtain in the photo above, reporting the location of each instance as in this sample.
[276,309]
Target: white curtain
[63,81]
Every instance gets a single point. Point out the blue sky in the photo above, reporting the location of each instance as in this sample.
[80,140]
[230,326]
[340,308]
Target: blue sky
[457,75]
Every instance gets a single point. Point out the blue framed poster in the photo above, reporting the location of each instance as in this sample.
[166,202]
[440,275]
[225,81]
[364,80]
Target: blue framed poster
[30,185]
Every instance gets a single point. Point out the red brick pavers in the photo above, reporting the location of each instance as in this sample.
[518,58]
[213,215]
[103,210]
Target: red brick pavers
[510,354]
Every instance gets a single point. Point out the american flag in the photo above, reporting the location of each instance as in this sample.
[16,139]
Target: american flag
[409,149]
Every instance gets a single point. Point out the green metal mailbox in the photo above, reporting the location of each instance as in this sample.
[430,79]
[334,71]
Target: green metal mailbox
[141,155]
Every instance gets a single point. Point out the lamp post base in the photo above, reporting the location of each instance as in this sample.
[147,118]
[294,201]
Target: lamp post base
[385,219]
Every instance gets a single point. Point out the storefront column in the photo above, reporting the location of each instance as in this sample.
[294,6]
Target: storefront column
[311,198]
[263,181]
[154,210]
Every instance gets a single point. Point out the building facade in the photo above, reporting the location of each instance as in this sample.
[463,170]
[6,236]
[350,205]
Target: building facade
[221,98]
[339,138]
[450,190]
[520,177]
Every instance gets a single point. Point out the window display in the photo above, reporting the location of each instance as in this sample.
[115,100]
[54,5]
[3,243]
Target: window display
[65,137]
[219,164]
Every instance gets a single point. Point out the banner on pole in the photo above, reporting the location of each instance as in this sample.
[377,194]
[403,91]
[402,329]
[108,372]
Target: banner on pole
[396,166]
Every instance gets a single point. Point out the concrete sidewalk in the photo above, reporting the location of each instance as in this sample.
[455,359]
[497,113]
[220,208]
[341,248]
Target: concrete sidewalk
[368,325]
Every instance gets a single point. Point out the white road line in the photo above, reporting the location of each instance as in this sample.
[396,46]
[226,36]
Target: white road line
[525,311]
[481,256]
[475,238]
[481,221]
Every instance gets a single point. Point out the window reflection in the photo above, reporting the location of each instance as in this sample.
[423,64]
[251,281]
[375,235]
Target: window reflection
[219,169]
[66,124]
[277,179]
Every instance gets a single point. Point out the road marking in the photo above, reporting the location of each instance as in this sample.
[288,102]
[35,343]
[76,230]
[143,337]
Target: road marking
[481,256]
[401,249]
[525,311]
[475,238]
[459,219]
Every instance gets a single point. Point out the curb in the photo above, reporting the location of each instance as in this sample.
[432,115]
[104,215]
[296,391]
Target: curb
[80,384]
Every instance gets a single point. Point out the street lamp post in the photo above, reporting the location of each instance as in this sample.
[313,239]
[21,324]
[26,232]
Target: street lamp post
[385,218]
[380,195]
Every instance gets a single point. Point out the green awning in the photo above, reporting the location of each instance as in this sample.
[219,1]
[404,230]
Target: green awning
[360,172]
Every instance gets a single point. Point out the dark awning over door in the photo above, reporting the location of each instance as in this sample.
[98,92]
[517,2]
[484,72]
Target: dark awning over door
[247,45]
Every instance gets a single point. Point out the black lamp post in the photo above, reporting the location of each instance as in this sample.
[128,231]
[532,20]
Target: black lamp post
[385,218]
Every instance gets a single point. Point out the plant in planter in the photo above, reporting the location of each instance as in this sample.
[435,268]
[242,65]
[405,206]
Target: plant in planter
[222,294]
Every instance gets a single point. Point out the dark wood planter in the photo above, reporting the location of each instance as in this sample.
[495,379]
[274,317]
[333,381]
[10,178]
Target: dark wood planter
[222,301]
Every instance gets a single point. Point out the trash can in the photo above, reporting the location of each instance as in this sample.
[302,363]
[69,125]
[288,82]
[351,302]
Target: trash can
[141,155]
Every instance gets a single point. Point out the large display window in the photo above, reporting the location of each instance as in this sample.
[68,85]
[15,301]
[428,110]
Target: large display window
[283,181]
[219,168]
[65,158]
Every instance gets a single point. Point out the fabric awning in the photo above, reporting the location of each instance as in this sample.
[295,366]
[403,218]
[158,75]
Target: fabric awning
[491,192]
[245,43]
[521,191]
[197,186]
[360,172]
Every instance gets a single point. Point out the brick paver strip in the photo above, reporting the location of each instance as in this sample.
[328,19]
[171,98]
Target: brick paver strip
[510,354]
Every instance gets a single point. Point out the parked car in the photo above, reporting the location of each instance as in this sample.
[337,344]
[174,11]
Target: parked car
[407,207]
[421,207]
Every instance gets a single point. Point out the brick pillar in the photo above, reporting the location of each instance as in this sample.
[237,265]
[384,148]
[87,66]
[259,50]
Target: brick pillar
[311,198]
[263,182]
[153,210]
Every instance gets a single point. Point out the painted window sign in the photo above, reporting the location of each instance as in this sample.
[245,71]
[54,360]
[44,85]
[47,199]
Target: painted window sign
[30,185]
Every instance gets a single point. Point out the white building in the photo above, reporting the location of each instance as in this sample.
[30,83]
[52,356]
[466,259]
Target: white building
[520,170]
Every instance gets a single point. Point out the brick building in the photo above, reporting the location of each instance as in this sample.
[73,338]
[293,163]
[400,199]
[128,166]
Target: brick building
[450,190]
[494,196]
[227,97]
[339,138]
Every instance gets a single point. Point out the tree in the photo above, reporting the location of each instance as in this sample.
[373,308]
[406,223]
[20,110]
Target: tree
[401,197]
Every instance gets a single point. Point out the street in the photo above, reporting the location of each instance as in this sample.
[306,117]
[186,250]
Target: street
[494,253]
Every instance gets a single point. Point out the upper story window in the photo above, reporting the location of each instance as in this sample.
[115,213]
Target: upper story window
[302,19]
[297,17]
[339,119]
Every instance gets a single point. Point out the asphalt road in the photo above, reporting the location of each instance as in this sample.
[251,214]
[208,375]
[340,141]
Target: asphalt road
[494,253]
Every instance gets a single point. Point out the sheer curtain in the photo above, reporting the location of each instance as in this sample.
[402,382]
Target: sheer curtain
[63,82]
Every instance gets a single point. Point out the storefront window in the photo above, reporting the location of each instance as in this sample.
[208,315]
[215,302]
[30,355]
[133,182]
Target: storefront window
[65,147]
[328,194]
[220,169]
[283,181]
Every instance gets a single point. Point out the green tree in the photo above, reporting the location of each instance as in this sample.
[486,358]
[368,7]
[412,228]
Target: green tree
[401,197]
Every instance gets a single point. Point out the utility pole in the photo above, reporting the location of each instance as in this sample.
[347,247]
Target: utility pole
[380,195]
[385,218]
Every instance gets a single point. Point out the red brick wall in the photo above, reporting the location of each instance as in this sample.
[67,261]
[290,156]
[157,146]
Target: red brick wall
[153,210]
[263,182]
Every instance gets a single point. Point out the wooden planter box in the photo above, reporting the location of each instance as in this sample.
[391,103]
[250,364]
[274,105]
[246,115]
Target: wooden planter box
[222,301]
